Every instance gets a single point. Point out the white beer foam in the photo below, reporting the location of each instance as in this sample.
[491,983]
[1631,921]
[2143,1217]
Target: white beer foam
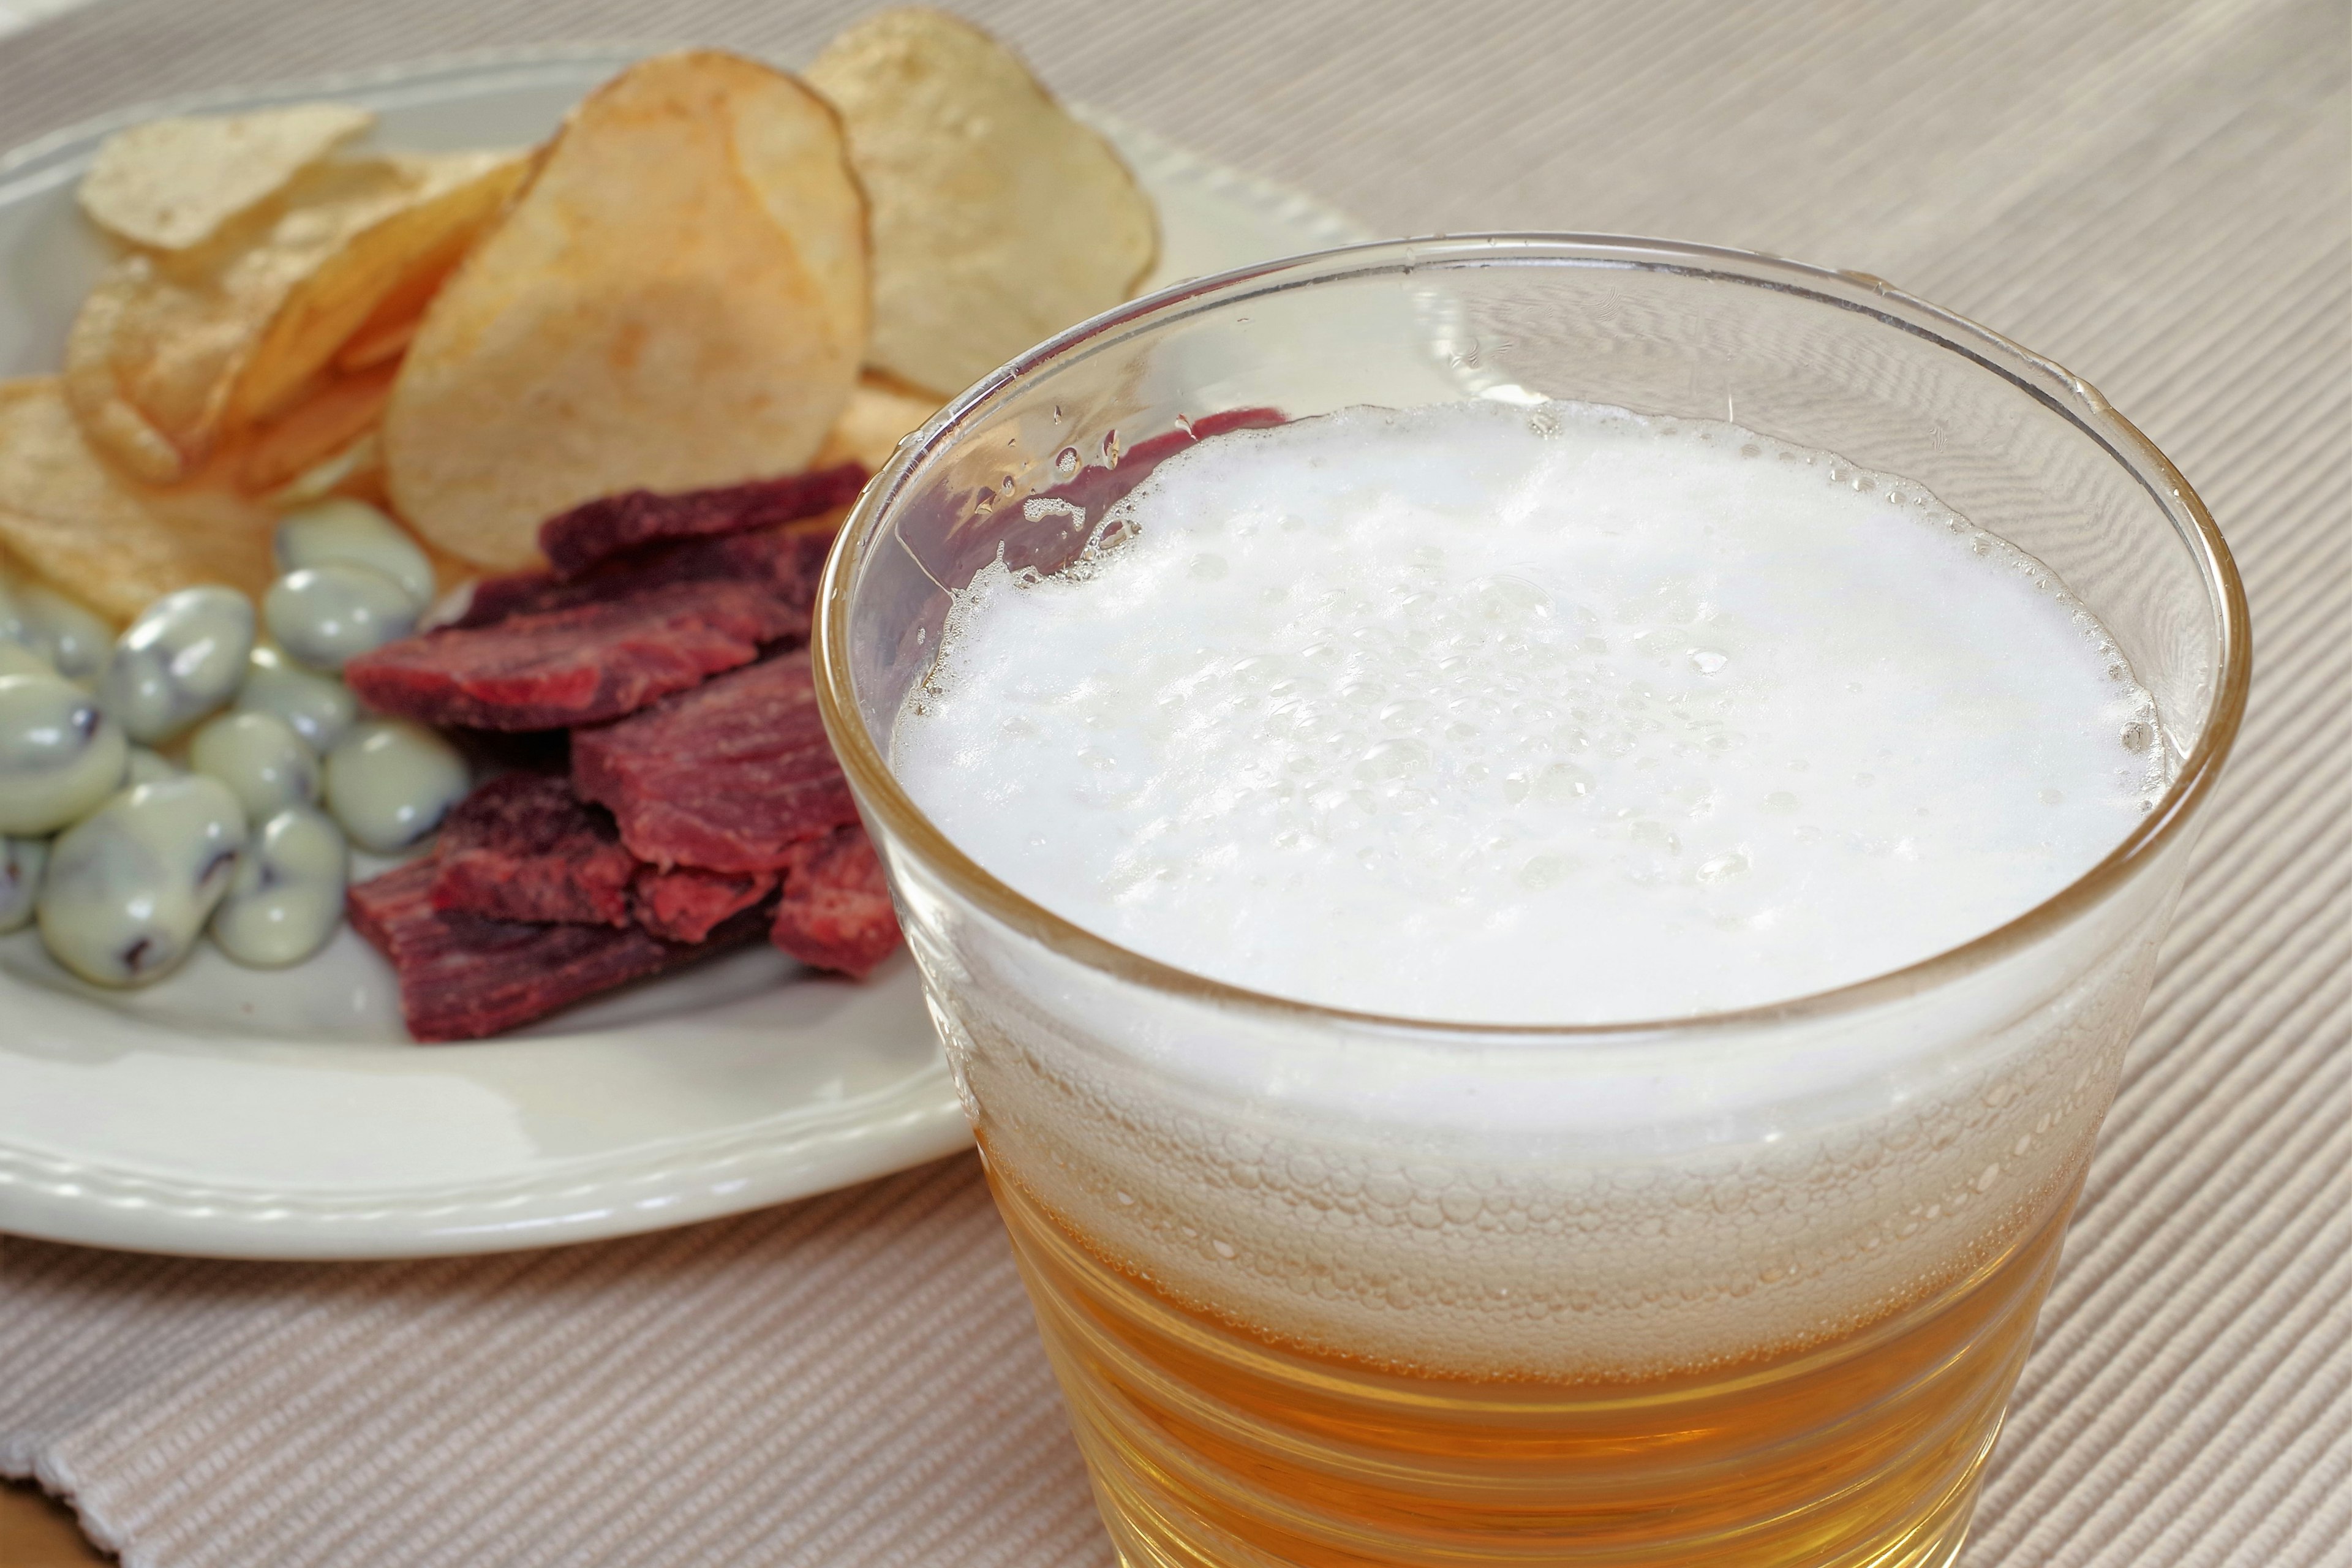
[1557,714]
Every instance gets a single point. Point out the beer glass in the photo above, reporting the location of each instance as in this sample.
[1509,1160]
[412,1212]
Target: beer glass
[1325,1288]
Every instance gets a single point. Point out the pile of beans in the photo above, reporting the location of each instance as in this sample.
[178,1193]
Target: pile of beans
[196,776]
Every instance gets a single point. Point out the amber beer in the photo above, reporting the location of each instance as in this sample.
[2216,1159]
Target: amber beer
[1214,1446]
[1681,1362]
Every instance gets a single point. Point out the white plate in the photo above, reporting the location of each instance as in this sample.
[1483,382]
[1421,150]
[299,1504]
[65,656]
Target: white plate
[233,1112]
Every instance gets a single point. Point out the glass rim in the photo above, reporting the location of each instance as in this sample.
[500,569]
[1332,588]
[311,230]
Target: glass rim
[2059,389]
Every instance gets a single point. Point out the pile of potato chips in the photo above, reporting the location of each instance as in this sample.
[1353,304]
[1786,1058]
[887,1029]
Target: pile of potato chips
[714,271]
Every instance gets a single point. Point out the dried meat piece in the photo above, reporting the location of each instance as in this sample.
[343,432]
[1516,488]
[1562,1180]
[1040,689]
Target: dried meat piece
[728,776]
[597,530]
[785,562]
[572,667]
[524,848]
[684,904]
[835,912]
[463,976]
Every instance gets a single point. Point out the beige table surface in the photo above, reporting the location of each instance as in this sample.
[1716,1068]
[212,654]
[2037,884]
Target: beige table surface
[2156,192]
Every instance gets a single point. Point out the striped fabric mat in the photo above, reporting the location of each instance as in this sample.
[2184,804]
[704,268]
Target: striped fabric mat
[2153,192]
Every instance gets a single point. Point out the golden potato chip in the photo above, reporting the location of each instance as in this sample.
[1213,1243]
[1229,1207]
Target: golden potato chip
[377,341]
[453,197]
[155,352]
[386,332]
[391,325]
[109,319]
[171,183]
[115,544]
[155,356]
[998,219]
[315,430]
[676,297]
[879,413]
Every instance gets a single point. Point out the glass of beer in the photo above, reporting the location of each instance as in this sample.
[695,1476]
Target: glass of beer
[1746,1278]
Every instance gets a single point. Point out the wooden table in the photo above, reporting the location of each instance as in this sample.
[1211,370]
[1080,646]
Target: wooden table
[37,1531]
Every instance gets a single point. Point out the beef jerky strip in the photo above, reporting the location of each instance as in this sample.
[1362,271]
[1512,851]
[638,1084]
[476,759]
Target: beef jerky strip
[595,532]
[786,563]
[683,904]
[578,666]
[835,912]
[524,848]
[463,977]
[727,777]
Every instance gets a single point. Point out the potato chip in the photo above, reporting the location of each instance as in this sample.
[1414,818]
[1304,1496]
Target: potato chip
[411,248]
[170,185]
[880,414]
[109,318]
[998,219]
[391,325]
[322,425]
[155,357]
[113,543]
[675,299]
[376,342]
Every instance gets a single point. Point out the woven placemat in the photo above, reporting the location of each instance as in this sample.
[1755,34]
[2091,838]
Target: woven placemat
[2156,195]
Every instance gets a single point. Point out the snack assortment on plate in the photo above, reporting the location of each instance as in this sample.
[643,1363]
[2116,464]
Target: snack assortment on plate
[358,458]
